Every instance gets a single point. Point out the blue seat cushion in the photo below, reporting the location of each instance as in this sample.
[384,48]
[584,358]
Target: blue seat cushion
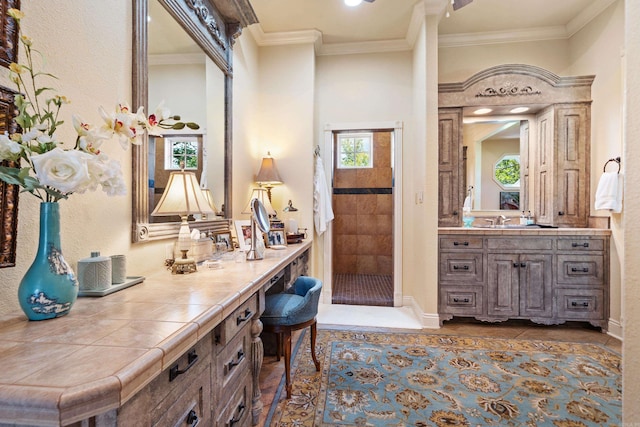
[285,309]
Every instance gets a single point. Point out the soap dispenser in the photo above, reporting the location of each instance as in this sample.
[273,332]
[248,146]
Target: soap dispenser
[94,273]
[523,219]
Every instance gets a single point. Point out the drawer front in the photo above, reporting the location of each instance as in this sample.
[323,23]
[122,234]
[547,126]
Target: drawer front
[237,412]
[231,362]
[580,304]
[461,268]
[583,270]
[581,244]
[518,243]
[461,243]
[191,408]
[460,301]
[241,317]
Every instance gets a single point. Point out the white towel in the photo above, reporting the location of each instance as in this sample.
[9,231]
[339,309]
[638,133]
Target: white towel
[322,212]
[609,192]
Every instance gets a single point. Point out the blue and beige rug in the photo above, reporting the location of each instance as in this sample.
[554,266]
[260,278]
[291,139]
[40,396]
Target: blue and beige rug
[411,379]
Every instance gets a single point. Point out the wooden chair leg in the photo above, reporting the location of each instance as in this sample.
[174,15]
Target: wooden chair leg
[278,345]
[287,360]
[313,346]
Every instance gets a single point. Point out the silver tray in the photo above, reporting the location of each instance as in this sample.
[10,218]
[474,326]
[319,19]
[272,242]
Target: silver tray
[131,280]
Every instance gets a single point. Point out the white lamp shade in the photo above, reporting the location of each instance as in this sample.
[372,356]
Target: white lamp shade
[268,173]
[182,196]
[209,196]
[260,194]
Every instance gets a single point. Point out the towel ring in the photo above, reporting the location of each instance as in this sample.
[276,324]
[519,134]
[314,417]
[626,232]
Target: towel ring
[617,160]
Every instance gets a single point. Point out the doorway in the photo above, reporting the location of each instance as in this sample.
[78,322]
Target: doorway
[363,201]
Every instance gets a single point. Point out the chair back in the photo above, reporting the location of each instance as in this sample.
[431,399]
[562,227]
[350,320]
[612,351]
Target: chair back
[309,288]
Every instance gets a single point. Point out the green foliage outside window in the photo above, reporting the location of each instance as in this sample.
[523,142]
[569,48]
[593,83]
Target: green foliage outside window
[184,151]
[355,152]
[508,171]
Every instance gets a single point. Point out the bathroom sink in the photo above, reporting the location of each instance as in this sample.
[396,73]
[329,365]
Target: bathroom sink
[506,226]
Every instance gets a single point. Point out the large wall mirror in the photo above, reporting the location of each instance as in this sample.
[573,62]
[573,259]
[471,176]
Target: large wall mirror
[490,137]
[182,58]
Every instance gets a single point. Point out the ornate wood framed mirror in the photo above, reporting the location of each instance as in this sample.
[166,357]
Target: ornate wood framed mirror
[213,25]
[8,193]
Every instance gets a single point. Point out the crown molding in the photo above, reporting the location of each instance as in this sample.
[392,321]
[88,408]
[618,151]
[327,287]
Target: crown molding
[286,38]
[364,47]
[497,37]
[587,15]
[177,59]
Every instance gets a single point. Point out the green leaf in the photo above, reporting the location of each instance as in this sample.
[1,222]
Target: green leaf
[178,126]
[43,89]
[192,125]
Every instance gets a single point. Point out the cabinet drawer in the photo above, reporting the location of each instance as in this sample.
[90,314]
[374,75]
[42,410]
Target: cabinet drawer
[581,244]
[585,270]
[241,317]
[580,304]
[460,301]
[461,268]
[237,412]
[193,407]
[232,362]
[516,243]
[461,242]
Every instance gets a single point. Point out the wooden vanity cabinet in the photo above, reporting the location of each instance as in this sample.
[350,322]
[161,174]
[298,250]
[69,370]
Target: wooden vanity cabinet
[546,279]
[450,175]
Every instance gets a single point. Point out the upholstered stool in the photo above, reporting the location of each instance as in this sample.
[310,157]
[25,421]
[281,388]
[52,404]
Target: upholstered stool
[291,311]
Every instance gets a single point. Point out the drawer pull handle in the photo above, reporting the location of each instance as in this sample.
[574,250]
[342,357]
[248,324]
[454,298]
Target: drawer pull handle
[523,265]
[583,304]
[575,245]
[458,243]
[192,419]
[463,267]
[516,265]
[233,364]
[583,270]
[464,300]
[247,315]
[561,213]
[175,371]
[240,411]
[455,213]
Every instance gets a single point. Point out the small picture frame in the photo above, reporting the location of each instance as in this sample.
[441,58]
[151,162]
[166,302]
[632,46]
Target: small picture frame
[276,225]
[225,238]
[509,200]
[243,232]
[276,237]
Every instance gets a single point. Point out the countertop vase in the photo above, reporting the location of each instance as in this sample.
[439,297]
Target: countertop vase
[49,287]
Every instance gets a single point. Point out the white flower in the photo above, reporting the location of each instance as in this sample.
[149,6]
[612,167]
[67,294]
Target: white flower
[89,138]
[153,122]
[127,125]
[64,170]
[9,150]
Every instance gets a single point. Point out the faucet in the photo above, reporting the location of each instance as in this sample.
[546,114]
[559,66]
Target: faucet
[502,220]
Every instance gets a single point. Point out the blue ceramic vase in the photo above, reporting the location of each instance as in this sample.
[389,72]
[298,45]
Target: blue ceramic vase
[49,288]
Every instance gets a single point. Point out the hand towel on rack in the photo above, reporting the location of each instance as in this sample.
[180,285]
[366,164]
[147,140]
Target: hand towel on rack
[609,192]
[322,211]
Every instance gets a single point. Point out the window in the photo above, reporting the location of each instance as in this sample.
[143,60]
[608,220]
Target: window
[506,171]
[180,149]
[355,150]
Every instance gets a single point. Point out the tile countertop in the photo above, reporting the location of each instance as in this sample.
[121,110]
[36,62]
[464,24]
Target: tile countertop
[533,231]
[108,348]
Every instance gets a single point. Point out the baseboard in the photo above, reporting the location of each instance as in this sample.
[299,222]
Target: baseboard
[427,320]
[614,328]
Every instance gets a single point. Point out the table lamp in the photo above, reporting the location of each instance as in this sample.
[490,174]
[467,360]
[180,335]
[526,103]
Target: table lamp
[268,175]
[183,197]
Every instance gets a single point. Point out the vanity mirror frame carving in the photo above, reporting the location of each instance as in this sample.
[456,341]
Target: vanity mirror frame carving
[214,25]
[567,99]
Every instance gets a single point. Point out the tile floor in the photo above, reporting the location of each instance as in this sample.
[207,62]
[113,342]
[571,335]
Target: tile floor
[385,318]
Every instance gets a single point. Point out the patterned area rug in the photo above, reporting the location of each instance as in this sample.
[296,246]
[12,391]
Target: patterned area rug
[410,379]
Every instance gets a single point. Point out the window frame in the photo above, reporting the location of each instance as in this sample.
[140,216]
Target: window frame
[169,141]
[355,135]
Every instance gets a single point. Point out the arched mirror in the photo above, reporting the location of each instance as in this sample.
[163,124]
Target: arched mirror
[182,53]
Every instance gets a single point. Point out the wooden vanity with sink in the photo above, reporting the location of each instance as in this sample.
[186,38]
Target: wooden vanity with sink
[173,350]
[546,275]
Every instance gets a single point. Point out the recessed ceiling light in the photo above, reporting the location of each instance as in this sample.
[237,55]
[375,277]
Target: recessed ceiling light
[352,2]
[518,110]
[483,111]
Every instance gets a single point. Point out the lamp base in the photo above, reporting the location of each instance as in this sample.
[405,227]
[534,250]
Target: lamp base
[184,266]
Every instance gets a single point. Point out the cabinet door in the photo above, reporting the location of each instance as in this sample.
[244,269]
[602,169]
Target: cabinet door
[449,157]
[544,168]
[572,163]
[502,285]
[536,287]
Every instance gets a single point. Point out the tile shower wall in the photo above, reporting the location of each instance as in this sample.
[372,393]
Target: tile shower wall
[363,224]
